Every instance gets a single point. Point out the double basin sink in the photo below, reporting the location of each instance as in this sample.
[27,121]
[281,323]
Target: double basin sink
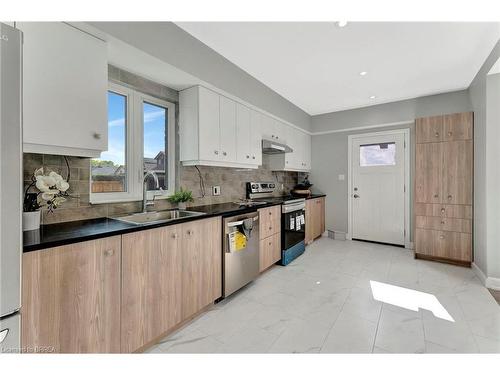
[157,216]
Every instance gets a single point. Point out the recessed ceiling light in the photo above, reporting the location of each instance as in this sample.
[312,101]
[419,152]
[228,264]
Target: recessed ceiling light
[342,23]
[363,73]
[372,97]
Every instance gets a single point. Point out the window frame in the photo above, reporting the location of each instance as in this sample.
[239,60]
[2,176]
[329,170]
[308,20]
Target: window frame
[134,149]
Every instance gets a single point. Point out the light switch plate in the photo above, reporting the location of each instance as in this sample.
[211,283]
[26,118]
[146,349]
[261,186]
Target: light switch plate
[341,177]
[215,190]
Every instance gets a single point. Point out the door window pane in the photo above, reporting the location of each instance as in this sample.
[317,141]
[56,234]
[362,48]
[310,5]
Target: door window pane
[155,144]
[109,171]
[377,154]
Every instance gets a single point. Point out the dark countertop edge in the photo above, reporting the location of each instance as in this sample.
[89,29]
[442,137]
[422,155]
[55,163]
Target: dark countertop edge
[131,228]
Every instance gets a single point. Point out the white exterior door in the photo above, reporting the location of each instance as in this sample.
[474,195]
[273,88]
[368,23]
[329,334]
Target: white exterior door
[377,193]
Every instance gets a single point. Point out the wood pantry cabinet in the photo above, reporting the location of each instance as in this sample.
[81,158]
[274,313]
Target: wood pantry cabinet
[71,298]
[121,293]
[270,236]
[315,218]
[443,188]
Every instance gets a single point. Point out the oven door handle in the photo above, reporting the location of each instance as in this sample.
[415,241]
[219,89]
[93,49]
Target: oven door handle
[287,208]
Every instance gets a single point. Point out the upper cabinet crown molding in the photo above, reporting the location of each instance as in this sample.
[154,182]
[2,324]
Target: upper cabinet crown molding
[65,80]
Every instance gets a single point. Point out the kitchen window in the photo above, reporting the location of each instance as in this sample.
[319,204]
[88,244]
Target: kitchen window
[141,138]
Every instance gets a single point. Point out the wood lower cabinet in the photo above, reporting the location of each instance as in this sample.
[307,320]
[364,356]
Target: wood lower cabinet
[270,236]
[201,264]
[270,221]
[270,251]
[71,298]
[168,275]
[315,218]
[151,285]
[443,188]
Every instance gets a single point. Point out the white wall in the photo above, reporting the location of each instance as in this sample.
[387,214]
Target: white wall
[169,43]
[329,151]
[486,248]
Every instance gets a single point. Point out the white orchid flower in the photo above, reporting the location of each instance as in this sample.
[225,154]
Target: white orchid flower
[48,195]
[62,185]
[56,176]
[42,184]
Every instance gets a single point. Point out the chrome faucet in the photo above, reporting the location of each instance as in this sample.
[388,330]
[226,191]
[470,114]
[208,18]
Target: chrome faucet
[145,202]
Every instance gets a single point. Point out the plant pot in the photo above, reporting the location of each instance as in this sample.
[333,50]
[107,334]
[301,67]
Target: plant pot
[182,205]
[31,220]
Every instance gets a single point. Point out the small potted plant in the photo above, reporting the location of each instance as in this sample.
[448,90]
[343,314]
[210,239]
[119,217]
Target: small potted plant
[181,197]
[52,190]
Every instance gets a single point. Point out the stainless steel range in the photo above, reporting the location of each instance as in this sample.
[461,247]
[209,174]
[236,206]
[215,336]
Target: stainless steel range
[293,222]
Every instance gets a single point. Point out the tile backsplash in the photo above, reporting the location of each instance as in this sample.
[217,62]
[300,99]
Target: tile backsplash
[77,207]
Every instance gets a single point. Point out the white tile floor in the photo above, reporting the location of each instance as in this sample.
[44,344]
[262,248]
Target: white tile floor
[323,302]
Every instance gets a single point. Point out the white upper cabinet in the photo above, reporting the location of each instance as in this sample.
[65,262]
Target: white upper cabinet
[298,160]
[65,81]
[273,129]
[215,130]
[256,137]
[248,135]
[227,126]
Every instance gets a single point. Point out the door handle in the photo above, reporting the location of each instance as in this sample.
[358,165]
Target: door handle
[356,196]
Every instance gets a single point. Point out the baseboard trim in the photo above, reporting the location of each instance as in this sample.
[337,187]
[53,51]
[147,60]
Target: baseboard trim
[488,282]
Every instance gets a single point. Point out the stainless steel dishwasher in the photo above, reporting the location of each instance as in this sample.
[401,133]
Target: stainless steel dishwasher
[241,251]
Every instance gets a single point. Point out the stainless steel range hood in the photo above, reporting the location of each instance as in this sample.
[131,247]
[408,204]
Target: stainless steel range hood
[271,147]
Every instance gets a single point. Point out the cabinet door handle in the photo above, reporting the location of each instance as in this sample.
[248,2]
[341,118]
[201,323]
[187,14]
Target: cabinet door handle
[449,196]
[436,134]
[270,228]
[449,134]
[253,157]
[189,232]
[442,222]
[443,210]
[174,235]
[216,152]
[270,213]
[441,237]
[248,156]
[109,252]
[436,195]
[224,153]
[97,136]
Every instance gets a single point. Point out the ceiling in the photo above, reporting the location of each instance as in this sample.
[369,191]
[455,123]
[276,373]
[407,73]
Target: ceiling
[316,65]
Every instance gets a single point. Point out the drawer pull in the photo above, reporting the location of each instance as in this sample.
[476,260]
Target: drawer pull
[443,210]
[270,243]
[109,252]
[436,134]
[449,196]
[441,237]
[174,235]
[189,232]
[442,222]
[436,195]
[270,213]
[449,134]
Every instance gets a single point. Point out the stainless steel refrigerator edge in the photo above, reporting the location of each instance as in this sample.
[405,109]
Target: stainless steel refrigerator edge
[10,186]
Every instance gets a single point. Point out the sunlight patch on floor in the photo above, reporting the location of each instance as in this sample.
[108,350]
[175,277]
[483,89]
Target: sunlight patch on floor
[409,299]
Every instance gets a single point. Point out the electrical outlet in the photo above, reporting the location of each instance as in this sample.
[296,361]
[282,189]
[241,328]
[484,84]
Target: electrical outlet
[215,190]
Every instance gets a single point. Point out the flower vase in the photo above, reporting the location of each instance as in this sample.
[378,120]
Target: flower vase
[31,220]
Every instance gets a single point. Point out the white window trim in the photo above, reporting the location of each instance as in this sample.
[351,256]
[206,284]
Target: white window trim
[135,149]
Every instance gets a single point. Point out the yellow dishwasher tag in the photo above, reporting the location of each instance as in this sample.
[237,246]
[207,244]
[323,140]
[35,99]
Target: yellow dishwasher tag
[240,241]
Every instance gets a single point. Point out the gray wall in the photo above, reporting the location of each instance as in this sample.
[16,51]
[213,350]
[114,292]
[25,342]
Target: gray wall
[329,151]
[486,246]
[168,42]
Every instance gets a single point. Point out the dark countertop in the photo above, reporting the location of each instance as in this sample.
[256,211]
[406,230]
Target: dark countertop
[66,233]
